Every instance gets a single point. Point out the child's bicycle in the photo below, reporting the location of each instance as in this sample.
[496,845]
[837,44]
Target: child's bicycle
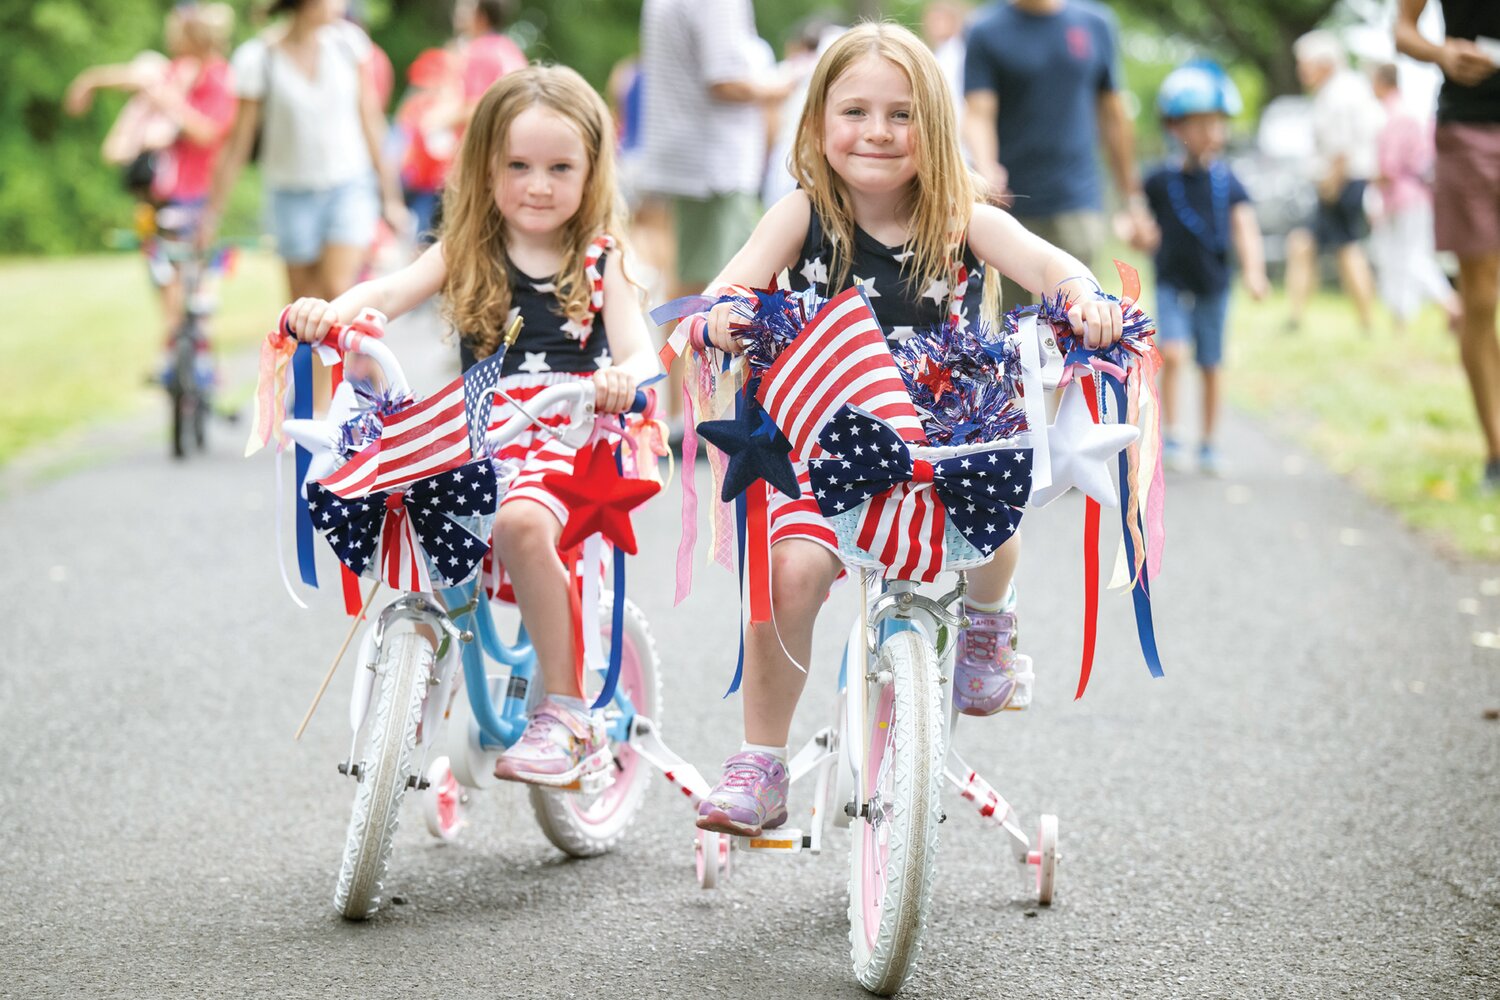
[188,373]
[879,770]
[432,709]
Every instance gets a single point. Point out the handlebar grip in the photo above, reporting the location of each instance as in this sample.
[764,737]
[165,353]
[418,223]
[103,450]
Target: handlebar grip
[642,401]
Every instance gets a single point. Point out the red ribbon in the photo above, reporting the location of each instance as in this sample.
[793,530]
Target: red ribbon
[921,471]
[350,582]
[758,555]
[1090,559]
[392,532]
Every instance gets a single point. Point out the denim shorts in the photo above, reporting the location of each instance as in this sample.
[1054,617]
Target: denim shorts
[304,222]
[1198,319]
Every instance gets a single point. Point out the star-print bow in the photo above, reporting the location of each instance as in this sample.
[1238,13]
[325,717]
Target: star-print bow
[983,491]
[407,526]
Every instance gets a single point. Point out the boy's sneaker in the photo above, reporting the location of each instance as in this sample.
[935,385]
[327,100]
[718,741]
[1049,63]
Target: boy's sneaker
[559,747]
[749,799]
[1174,455]
[1209,462]
[988,675]
[1490,483]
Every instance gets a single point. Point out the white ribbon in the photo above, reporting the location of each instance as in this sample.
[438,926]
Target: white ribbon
[1036,403]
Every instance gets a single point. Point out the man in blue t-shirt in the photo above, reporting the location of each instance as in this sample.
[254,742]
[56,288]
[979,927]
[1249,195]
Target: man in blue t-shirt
[1042,86]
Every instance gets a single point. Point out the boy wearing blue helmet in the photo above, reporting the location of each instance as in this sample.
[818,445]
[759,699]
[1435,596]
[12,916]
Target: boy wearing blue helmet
[1200,208]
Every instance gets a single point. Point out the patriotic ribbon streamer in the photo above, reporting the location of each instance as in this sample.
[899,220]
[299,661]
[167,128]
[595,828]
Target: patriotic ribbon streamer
[270,386]
[983,491]
[1140,590]
[302,408]
[410,528]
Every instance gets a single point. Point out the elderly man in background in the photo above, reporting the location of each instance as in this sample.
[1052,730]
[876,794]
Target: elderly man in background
[1042,86]
[1346,119]
[1466,197]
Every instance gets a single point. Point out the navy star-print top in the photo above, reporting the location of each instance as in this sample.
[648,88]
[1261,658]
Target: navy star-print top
[901,307]
[548,340]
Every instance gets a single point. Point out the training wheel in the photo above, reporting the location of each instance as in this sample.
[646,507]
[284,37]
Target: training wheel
[1044,856]
[711,858]
[445,803]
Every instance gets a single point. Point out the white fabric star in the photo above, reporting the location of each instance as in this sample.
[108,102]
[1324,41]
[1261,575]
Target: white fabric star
[536,363]
[1081,452]
[544,286]
[937,291]
[815,271]
[574,329]
[603,361]
[869,286]
[901,333]
[903,256]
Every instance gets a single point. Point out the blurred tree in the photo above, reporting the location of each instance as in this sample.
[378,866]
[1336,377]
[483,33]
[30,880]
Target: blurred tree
[1260,32]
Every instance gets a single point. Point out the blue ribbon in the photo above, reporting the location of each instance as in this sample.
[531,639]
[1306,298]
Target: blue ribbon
[1140,592]
[685,306]
[302,407]
[617,618]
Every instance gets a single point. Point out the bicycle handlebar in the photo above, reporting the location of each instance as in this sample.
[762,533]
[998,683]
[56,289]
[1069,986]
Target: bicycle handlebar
[363,336]
[578,396]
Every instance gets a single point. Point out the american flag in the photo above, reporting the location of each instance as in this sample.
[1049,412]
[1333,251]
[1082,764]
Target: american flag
[840,357]
[440,433]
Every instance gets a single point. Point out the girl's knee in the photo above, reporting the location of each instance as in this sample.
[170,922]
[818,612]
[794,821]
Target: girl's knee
[801,573]
[522,526]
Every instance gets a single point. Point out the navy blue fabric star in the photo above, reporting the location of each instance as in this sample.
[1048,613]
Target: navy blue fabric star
[756,449]
[984,491]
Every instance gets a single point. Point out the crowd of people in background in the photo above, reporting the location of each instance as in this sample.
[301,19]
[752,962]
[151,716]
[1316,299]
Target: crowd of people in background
[706,112]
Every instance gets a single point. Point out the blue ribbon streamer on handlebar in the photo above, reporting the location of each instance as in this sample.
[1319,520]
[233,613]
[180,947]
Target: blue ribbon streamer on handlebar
[617,619]
[302,407]
[1140,592]
[685,306]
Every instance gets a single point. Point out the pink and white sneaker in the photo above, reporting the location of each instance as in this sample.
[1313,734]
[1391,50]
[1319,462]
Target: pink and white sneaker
[560,746]
[988,674]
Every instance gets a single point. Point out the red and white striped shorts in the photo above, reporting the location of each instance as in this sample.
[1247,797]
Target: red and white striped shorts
[532,454]
[800,518]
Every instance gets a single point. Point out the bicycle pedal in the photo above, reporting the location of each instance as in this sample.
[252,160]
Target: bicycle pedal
[784,840]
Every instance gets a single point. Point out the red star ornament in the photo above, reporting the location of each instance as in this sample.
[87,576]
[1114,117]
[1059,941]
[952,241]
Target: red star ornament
[598,498]
[936,378]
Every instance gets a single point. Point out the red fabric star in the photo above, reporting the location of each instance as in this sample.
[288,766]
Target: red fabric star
[598,498]
[936,378]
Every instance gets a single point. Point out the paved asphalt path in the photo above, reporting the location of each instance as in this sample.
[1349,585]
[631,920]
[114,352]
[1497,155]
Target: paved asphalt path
[1305,806]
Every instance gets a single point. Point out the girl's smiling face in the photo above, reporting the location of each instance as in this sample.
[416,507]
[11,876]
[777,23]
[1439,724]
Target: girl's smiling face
[867,129]
[540,178]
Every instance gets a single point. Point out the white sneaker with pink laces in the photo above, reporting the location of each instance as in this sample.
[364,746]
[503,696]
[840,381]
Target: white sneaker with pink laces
[561,745]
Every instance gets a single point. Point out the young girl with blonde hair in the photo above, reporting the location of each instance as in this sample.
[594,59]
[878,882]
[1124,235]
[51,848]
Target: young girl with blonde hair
[885,200]
[531,231]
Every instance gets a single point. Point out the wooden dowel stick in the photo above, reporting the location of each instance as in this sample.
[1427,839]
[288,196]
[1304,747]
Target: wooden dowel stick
[337,659]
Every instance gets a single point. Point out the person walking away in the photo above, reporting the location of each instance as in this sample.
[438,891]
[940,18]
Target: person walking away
[1466,196]
[1201,209]
[1042,85]
[1406,267]
[704,132]
[1345,120]
[303,90]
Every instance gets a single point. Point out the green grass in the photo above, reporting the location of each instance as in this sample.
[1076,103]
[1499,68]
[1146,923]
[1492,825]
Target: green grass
[1392,412]
[84,335]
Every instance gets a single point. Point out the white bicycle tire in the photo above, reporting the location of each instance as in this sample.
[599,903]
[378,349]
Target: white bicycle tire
[885,934]
[564,817]
[402,670]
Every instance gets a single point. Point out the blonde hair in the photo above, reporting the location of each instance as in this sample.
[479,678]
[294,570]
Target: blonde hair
[209,25]
[942,194]
[477,288]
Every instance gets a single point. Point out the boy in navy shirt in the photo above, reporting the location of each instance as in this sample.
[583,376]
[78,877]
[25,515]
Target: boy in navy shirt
[1200,209]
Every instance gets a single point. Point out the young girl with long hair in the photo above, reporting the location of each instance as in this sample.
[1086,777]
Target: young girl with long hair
[531,221]
[884,199]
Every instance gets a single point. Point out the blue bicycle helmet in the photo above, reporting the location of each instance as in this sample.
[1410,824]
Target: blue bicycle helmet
[1197,88]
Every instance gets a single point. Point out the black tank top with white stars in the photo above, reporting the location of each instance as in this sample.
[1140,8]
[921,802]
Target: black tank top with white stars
[549,341]
[900,306]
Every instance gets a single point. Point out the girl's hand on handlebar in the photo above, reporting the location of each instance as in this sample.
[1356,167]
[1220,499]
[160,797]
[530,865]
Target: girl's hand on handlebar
[311,319]
[614,390]
[1095,318]
[719,333]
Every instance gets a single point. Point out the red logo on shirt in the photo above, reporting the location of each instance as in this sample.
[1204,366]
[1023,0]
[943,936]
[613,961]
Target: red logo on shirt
[1080,45]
